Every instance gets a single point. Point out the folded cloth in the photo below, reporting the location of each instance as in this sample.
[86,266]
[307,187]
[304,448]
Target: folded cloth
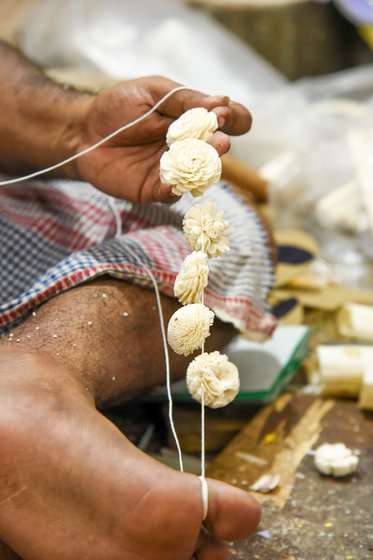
[56,235]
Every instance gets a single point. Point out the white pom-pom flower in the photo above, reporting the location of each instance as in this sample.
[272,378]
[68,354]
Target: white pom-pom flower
[192,278]
[195,123]
[215,377]
[189,327]
[335,459]
[206,230]
[190,165]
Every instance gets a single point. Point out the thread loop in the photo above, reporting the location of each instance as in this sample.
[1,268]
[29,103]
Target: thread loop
[205,497]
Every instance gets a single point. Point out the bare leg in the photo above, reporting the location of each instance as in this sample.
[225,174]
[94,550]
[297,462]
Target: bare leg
[72,486]
[107,334]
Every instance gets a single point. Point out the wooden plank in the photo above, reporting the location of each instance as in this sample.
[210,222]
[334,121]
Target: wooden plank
[309,516]
[280,436]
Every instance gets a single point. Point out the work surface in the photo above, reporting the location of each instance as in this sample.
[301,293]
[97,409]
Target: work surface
[309,516]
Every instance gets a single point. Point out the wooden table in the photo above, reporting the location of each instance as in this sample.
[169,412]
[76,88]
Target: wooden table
[309,516]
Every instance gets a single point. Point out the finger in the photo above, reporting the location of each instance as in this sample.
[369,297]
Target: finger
[220,142]
[164,194]
[234,119]
[187,99]
[232,513]
[182,100]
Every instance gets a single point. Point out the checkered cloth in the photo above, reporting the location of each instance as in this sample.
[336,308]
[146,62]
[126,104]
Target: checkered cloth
[56,235]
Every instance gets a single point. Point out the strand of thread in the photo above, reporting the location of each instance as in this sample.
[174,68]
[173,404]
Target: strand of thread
[203,436]
[97,144]
[118,222]
[203,451]
[168,374]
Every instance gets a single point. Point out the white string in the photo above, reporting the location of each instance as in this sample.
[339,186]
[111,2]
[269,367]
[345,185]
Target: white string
[168,374]
[205,497]
[117,216]
[118,222]
[97,144]
[203,429]
[204,487]
[203,458]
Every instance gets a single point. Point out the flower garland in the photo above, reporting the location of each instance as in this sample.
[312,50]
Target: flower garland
[192,165]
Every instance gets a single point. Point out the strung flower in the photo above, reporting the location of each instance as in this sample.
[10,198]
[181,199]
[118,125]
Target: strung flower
[215,377]
[195,123]
[192,278]
[189,327]
[206,230]
[190,165]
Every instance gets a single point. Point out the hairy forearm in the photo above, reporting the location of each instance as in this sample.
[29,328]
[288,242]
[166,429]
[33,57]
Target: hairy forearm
[39,119]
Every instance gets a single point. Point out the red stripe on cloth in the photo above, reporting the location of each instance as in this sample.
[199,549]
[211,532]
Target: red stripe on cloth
[156,250]
[52,197]
[56,200]
[254,320]
[51,230]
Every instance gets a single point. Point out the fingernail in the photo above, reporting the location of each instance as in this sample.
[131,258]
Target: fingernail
[220,99]
[225,99]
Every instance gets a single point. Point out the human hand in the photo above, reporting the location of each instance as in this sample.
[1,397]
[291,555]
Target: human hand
[127,166]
